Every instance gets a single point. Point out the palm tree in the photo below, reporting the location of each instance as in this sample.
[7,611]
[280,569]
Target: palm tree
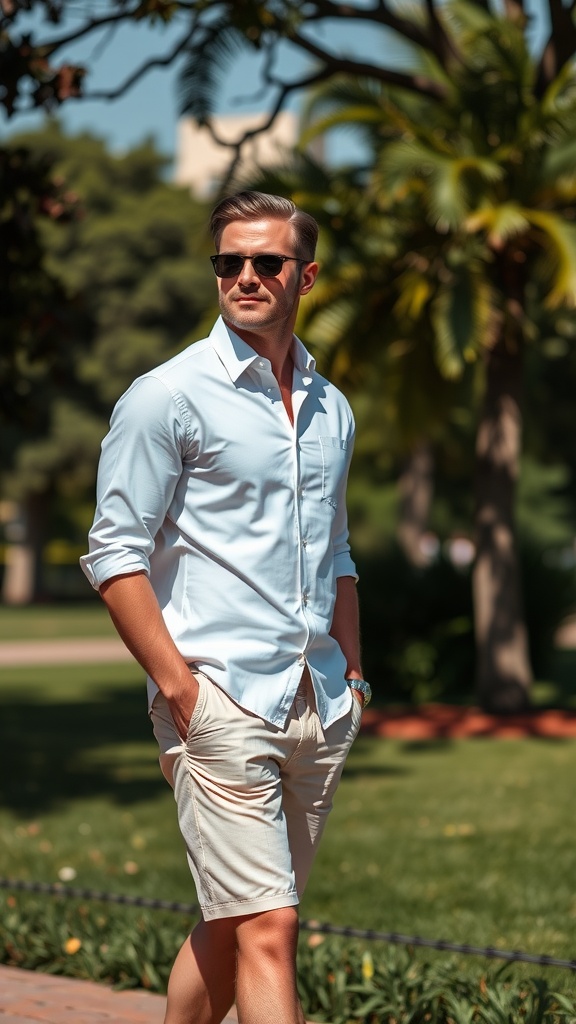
[461,213]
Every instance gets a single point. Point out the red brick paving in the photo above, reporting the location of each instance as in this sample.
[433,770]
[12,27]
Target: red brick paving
[28,997]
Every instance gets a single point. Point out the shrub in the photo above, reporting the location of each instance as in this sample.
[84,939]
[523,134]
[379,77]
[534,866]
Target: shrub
[351,985]
[340,982]
[417,624]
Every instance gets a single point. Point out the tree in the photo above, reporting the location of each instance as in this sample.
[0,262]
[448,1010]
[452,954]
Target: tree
[132,283]
[508,201]
[454,234]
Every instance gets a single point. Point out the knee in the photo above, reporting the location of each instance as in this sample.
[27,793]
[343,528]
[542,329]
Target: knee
[272,934]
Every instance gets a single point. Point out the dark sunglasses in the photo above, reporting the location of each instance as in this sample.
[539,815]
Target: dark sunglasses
[230,264]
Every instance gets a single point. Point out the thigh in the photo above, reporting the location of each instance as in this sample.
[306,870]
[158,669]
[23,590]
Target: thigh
[169,742]
[309,785]
[229,797]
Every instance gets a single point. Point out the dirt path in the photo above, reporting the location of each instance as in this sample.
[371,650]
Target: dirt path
[62,652]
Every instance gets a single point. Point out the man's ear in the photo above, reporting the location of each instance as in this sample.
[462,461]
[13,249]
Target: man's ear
[309,275]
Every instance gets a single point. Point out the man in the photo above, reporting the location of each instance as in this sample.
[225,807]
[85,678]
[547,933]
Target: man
[220,548]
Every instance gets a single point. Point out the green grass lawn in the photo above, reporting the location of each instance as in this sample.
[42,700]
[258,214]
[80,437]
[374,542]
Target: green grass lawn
[468,841]
[51,622]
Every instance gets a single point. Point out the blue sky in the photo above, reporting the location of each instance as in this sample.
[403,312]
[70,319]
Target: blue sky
[150,108]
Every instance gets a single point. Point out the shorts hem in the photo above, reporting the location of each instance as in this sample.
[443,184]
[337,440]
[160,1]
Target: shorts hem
[244,907]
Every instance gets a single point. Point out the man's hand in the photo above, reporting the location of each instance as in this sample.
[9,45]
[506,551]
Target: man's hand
[182,707]
[136,614]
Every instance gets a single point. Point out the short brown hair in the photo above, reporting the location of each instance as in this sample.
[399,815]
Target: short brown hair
[250,205]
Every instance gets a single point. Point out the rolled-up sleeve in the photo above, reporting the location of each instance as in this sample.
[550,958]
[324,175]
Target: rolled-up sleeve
[140,466]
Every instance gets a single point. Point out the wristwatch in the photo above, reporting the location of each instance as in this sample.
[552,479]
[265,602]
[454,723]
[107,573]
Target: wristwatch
[363,687]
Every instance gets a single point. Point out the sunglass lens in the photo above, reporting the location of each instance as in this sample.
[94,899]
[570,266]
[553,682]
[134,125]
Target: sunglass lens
[268,266]
[228,265]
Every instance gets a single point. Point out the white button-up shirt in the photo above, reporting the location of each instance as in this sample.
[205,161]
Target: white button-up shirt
[237,516]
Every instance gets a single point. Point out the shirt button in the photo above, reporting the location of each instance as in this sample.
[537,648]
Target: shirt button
[304,543]
[305,597]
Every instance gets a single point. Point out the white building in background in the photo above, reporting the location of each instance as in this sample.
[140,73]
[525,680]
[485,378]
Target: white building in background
[201,163]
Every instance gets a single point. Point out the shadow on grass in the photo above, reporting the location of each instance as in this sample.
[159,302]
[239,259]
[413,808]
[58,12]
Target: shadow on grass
[53,752]
[561,673]
[361,764]
[437,745]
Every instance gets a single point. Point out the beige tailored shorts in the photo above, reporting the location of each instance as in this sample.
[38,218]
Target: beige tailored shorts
[252,798]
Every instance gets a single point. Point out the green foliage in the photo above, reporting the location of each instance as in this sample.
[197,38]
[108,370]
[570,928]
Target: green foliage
[341,983]
[135,256]
[128,258]
[119,947]
[55,621]
[461,191]
[33,317]
[345,984]
[417,624]
[417,629]
[446,255]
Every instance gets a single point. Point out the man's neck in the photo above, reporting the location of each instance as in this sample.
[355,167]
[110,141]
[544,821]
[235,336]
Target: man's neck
[277,349]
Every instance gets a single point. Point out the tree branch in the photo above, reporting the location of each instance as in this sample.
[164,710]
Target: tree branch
[155,62]
[349,66]
[285,90]
[47,49]
[379,14]
[94,24]
[443,44]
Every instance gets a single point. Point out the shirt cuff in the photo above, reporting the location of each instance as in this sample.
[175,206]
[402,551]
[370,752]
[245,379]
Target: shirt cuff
[99,569]
[344,566]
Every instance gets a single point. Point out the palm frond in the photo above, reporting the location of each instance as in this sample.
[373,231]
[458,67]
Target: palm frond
[207,62]
[451,182]
[560,162]
[415,291]
[464,319]
[558,242]
[499,222]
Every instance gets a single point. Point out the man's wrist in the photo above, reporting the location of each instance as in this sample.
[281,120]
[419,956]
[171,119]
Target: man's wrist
[362,687]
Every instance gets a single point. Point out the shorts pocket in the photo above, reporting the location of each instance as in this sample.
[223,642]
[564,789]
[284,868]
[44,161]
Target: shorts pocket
[356,713]
[200,702]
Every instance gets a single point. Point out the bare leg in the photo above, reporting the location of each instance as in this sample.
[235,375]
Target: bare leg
[266,991]
[201,986]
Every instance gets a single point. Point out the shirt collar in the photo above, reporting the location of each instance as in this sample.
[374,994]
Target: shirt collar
[237,356]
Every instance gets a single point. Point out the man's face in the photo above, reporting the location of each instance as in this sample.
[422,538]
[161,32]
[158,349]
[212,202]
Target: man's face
[262,305]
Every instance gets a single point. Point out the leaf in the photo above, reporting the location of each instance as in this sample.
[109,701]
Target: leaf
[500,222]
[558,241]
[206,64]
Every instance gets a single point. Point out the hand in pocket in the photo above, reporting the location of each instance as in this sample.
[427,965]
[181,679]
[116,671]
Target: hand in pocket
[182,707]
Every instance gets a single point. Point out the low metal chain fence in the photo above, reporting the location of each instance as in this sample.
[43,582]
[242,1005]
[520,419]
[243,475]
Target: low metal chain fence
[368,934]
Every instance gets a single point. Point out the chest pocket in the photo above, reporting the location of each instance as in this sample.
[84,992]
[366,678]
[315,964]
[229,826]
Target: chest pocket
[334,455]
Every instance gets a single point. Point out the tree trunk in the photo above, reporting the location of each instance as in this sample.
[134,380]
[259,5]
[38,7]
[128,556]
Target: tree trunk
[22,582]
[504,674]
[416,484]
